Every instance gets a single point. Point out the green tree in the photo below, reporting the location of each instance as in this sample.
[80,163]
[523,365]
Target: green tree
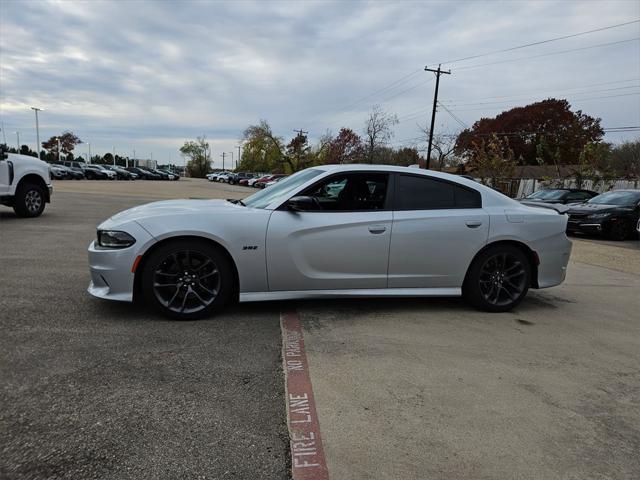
[66,140]
[491,159]
[198,156]
[262,150]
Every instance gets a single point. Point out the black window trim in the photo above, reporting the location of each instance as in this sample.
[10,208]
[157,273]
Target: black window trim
[396,191]
[389,195]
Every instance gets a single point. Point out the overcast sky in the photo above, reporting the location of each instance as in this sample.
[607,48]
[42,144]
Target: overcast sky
[149,75]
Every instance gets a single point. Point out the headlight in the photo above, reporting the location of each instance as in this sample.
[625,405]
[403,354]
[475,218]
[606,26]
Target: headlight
[114,239]
[599,216]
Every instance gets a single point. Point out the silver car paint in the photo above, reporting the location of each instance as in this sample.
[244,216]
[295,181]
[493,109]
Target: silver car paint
[349,259]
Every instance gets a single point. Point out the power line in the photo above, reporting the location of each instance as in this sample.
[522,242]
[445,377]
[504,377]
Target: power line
[578,100]
[494,52]
[389,86]
[547,54]
[516,99]
[538,92]
[460,122]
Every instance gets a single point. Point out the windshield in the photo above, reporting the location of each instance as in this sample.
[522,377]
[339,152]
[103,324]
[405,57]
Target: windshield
[280,189]
[547,194]
[616,198]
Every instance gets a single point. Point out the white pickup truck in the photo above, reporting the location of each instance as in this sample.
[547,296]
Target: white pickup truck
[25,184]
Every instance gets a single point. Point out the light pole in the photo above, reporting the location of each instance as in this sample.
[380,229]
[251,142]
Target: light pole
[239,156]
[35,109]
[114,155]
[18,136]
[89,145]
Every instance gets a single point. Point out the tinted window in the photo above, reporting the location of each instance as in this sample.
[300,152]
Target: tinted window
[350,192]
[420,193]
[578,196]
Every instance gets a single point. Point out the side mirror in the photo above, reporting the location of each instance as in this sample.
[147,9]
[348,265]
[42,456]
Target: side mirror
[301,204]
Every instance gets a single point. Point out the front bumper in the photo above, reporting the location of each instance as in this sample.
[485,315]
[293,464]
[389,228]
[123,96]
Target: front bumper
[111,269]
[584,226]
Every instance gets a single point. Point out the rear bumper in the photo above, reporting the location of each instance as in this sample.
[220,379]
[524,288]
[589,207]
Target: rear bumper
[554,258]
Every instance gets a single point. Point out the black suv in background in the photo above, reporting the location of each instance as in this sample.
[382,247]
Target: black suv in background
[236,177]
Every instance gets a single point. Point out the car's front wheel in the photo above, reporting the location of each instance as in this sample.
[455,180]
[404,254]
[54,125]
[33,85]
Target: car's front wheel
[498,279]
[619,230]
[29,200]
[187,279]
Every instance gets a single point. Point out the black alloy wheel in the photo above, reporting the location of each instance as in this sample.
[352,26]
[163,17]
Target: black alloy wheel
[498,279]
[187,279]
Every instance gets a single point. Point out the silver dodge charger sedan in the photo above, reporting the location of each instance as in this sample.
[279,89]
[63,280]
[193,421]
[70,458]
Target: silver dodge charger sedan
[328,232]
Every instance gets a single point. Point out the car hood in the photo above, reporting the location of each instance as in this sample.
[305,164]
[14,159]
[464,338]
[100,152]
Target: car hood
[174,207]
[596,208]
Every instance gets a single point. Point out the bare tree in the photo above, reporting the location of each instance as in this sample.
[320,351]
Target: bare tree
[443,145]
[378,130]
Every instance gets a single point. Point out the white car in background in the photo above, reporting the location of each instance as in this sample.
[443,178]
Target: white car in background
[332,231]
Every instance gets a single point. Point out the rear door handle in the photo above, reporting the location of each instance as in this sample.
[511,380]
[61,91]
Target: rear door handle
[376,229]
[474,223]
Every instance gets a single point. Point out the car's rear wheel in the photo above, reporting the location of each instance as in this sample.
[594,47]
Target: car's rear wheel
[498,279]
[187,279]
[29,200]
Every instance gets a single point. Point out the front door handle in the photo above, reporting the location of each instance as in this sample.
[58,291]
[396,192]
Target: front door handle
[474,223]
[377,229]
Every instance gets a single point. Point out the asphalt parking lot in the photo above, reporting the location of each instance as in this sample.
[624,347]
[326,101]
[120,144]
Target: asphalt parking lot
[405,389]
[92,389]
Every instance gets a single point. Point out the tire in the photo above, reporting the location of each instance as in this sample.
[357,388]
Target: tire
[164,286]
[498,279]
[29,200]
[619,230]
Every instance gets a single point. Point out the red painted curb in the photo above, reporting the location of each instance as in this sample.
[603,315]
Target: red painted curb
[307,455]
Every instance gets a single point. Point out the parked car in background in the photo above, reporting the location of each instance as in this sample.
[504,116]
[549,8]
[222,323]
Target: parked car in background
[213,177]
[188,258]
[259,178]
[98,172]
[559,195]
[274,181]
[144,174]
[59,172]
[74,173]
[172,175]
[238,177]
[223,177]
[271,178]
[613,214]
[121,173]
[25,183]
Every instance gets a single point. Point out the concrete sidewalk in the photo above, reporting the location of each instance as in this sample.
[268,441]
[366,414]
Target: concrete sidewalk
[414,389]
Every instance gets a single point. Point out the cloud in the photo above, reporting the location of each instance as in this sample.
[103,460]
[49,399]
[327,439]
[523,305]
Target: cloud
[151,74]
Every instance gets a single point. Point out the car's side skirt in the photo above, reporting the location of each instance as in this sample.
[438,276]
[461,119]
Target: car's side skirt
[350,293]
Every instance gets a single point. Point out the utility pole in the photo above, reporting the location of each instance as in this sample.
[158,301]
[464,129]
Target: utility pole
[89,145]
[18,135]
[37,130]
[114,154]
[239,156]
[232,161]
[222,155]
[300,132]
[438,72]
[134,158]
